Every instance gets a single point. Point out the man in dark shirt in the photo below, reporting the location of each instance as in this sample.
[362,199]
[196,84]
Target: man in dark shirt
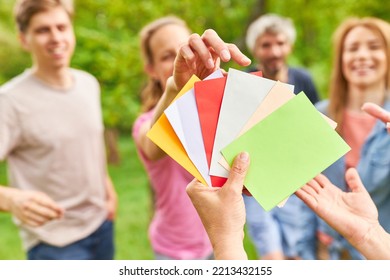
[270,39]
[288,232]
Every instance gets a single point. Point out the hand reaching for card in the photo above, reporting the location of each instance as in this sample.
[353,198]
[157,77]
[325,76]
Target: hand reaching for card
[201,56]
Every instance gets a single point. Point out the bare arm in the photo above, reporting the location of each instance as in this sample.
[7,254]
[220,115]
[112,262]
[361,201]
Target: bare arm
[32,208]
[377,245]
[151,150]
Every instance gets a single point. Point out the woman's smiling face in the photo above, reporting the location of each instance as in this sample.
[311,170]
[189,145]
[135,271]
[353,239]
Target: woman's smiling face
[364,61]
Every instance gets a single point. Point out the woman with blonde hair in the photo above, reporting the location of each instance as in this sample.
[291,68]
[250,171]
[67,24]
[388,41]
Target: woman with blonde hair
[360,74]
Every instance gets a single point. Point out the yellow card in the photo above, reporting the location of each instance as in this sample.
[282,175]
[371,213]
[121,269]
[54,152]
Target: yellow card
[163,135]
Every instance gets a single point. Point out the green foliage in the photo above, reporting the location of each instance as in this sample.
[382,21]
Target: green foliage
[13,59]
[10,245]
[111,61]
[107,36]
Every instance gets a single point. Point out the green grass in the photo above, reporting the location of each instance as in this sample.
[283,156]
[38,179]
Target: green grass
[10,245]
[133,216]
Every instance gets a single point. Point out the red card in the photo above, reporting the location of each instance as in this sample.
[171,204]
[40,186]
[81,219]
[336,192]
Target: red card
[208,95]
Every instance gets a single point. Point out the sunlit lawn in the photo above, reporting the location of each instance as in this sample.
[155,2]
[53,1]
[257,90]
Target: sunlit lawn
[133,215]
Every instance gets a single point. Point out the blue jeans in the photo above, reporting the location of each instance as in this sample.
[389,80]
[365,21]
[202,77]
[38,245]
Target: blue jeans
[97,246]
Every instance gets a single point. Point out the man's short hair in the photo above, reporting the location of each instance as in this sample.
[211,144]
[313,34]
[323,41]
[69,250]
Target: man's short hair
[24,10]
[269,23]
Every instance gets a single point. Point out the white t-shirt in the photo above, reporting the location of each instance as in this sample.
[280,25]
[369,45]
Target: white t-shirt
[53,142]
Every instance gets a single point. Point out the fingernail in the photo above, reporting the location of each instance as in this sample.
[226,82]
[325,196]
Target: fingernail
[225,55]
[246,60]
[244,156]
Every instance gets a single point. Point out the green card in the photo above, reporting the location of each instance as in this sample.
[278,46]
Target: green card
[287,149]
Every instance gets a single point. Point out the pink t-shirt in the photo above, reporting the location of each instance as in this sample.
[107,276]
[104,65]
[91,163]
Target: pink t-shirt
[176,229]
[356,128]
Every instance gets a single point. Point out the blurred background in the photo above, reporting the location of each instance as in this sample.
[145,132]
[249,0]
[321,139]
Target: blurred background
[107,47]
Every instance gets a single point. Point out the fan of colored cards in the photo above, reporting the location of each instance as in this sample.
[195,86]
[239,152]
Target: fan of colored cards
[212,120]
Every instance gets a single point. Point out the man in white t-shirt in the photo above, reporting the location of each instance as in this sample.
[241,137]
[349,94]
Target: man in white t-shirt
[51,135]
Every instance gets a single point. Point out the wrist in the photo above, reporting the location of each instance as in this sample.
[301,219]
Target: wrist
[6,195]
[376,244]
[171,88]
[229,246]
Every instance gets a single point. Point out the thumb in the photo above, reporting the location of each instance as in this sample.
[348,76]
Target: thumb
[192,187]
[238,172]
[353,180]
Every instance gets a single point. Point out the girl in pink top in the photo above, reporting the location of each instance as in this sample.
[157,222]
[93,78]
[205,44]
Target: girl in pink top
[176,231]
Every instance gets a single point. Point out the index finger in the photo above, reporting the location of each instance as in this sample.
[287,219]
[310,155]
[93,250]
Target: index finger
[50,205]
[376,111]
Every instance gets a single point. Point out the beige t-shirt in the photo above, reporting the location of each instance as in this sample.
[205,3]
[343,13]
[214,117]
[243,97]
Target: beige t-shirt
[53,142]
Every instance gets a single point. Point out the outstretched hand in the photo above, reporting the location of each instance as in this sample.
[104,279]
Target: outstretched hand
[201,56]
[222,210]
[353,214]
